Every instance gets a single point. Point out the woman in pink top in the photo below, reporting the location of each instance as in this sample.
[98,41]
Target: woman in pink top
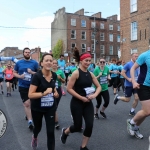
[9,78]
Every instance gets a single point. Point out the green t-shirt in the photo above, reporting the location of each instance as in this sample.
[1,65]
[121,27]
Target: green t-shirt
[103,78]
[61,74]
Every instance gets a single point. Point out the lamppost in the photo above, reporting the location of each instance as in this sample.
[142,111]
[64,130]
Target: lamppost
[28,43]
[94,51]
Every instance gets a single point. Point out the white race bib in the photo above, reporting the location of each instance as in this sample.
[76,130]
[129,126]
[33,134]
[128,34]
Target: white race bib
[1,75]
[61,68]
[66,71]
[115,71]
[89,90]
[56,84]
[47,101]
[103,80]
[27,76]
[8,75]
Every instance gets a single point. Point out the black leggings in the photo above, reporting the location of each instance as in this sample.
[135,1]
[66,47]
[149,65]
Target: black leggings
[105,95]
[66,74]
[113,81]
[80,109]
[50,126]
[60,95]
[122,83]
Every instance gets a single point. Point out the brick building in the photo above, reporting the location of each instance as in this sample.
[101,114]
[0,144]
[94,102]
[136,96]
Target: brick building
[76,29]
[134,27]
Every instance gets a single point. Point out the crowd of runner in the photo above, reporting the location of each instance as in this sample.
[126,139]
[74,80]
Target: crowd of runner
[41,86]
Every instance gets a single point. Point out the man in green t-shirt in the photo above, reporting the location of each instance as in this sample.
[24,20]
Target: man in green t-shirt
[102,74]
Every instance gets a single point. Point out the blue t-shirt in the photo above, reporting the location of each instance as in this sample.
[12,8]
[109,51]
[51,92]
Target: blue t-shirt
[67,69]
[91,68]
[127,67]
[1,72]
[72,67]
[61,64]
[21,67]
[113,67]
[144,62]
[120,69]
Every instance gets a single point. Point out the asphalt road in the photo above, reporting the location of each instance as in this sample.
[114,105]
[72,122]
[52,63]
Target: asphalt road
[108,134]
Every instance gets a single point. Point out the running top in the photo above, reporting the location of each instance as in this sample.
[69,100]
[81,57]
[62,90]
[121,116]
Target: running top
[21,67]
[120,68]
[91,67]
[61,74]
[46,102]
[84,81]
[127,68]
[1,73]
[67,69]
[61,64]
[103,78]
[144,62]
[9,74]
[113,67]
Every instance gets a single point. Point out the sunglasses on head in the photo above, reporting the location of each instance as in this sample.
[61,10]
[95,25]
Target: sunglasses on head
[102,62]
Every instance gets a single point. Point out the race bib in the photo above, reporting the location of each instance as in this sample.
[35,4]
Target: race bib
[8,75]
[1,75]
[47,101]
[62,68]
[115,71]
[103,80]
[66,71]
[27,76]
[56,84]
[89,90]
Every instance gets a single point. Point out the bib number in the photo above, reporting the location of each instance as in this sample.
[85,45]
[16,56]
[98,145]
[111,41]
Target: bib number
[103,80]
[47,101]
[27,76]
[8,75]
[89,90]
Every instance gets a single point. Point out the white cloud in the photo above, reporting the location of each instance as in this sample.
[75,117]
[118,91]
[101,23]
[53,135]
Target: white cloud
[2,39]
[45,13]
[38,37]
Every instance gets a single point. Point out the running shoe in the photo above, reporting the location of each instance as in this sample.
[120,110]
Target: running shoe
[2,92]
[116,99]
[103,114]
[96,116]
[63,136]
[138,134]
[57,125]
[130,128]
[63,93]
[30,125]
[85,148]
[7,94]
[132,113]
[34,143]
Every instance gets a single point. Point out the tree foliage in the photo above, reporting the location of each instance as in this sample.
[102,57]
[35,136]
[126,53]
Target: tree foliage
[57,50]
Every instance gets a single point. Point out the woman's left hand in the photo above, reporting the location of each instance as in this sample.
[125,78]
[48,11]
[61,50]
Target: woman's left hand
[56,95]
[92,96]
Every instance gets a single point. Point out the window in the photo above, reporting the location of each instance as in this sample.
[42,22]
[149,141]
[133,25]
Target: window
[73,22]
[133,31]
[73,45]
[92,48]
[83,23]
[83,46]
[102,49]
[118,28]
[102,26]
[92,35]
[118,38]
[111,37]
[111,50]
[118,48]
[93,25]
[73,34]
[133,5]
[134,50]
[110,27]
[83,35]
[102,37]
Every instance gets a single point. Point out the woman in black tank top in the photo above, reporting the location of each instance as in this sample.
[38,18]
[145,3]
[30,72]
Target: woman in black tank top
[80,87]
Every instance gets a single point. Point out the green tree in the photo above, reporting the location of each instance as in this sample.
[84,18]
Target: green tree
[57,50]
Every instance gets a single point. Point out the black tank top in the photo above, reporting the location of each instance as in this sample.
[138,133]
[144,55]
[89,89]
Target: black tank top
[84,81]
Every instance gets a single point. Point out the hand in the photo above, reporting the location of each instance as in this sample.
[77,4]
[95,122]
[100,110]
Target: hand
[136,85]
[92,96]
[48,91]
[29,71]
[21,76]
[58,77]
[129,79]
[85,99]
[109,78]
[56,95]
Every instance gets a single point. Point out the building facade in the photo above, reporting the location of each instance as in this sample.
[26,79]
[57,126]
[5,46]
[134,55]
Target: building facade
[134,27]
[77,29]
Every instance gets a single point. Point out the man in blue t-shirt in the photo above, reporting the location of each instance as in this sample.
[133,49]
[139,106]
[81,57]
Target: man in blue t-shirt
[1,78]
[24,69]
[61,65]
[129,90]
[143,89]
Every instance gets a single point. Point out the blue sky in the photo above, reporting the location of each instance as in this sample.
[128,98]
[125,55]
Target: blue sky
[40,14]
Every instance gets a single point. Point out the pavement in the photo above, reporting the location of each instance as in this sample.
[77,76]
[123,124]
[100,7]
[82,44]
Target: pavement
[108,134]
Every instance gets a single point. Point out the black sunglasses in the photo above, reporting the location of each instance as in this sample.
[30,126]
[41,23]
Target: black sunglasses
[102,62]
